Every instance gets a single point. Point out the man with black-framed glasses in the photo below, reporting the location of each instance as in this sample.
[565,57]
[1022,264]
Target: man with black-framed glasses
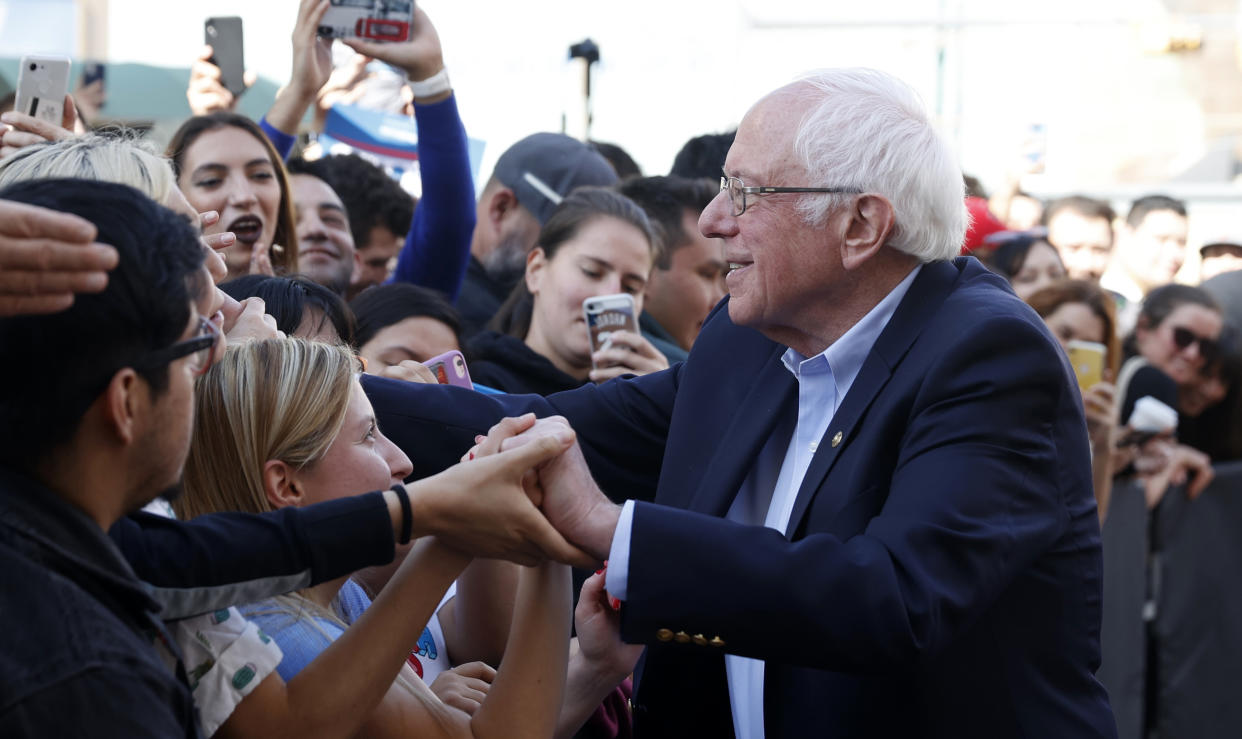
[95,421]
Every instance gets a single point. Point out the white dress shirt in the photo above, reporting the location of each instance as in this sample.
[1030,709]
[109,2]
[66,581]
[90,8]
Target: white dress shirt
[823,381]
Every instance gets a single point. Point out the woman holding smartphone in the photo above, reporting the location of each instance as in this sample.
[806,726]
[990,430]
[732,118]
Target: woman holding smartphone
[597,242]
[1080,311]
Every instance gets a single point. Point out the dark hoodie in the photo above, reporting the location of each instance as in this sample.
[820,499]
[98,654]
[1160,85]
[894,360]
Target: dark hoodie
[505,363]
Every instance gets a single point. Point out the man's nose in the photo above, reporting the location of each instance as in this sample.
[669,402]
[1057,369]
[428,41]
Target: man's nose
[717,219]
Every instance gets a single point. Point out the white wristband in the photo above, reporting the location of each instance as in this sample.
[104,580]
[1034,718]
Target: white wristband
[434,85]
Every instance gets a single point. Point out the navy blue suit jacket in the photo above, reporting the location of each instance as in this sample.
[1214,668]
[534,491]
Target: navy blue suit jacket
[941,575]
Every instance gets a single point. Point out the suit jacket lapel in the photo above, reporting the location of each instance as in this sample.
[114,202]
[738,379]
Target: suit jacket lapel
[926,294]
[772,392]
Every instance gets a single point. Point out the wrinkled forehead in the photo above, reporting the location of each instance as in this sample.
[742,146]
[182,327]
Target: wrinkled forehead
[764,145]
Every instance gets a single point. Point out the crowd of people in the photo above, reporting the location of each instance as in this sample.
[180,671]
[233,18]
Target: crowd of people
[841,480]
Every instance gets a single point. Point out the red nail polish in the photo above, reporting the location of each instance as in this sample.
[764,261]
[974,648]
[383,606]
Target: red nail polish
[614,603]
[471,455]
[599,572]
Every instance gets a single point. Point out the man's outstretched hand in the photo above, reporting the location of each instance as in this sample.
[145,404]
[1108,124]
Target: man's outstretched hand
[480,507]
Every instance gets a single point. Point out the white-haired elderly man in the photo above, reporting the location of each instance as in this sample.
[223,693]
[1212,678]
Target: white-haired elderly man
[864,503]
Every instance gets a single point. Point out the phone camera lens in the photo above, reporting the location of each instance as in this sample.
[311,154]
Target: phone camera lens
[33,66]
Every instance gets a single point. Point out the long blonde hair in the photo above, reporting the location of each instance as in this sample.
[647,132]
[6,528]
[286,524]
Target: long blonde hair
[119,158]
[282,399]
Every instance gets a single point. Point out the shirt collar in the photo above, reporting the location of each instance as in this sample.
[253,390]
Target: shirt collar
[844,357]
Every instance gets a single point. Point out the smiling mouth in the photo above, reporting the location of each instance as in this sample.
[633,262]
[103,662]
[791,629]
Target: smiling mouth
[737,267]
[318,251]
[247,229]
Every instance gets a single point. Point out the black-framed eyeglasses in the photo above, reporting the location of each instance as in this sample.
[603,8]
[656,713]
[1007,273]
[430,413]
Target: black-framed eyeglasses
[201,348]
[738,191]
[1184,337]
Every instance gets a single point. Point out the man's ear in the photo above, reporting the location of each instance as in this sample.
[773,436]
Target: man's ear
[125,402]
[500,205]
[280,485]
[871,221]
[536,265]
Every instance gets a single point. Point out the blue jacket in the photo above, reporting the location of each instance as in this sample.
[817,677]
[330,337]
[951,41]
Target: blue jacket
[941,577]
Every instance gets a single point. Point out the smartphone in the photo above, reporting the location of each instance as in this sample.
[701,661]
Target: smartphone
[606,314]
[450,369]
[374,20]
[224,34]
[42,83]
[1087,359]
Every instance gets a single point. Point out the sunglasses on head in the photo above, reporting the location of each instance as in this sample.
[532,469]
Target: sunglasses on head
[1184,337]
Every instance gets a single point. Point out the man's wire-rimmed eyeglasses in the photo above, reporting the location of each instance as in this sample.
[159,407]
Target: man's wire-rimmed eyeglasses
[202,347]
[738,191]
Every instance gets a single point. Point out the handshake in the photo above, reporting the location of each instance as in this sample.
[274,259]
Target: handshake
[522,493]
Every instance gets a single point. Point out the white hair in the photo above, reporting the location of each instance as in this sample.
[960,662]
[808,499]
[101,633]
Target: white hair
[867,130]
[119,157]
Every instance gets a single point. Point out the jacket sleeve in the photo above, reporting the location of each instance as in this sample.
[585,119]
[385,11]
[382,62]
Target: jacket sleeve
[437,248]
[224,559]
[621,425]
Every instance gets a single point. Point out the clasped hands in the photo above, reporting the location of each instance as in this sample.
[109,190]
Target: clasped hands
[522,493]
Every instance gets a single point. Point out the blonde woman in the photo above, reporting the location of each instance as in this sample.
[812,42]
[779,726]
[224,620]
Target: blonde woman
[285,423]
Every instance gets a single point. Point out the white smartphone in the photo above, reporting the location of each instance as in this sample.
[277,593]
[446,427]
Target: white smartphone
[42,83]
[606,314]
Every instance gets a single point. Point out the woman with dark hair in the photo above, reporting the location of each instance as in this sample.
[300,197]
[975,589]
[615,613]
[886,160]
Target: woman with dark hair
[1028,262]
[224,162]
[1176,332]
[596,242]
[1078,310]
[301,307]
[1212,406]
[401,322]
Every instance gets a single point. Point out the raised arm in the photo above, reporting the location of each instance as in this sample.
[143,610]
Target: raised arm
[312,65]
[437,248]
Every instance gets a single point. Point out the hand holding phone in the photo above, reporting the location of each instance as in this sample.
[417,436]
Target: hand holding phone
[450,369]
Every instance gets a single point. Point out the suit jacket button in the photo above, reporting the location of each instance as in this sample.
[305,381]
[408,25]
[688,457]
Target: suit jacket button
[682,637]
[836,439]
[664,634]
[700,640]
[716,641]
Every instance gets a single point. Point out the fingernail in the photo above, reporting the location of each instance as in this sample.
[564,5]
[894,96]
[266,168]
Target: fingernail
[8,117]
[599,572]
[565,436]
[227,237]
[614,603]
[479,439]
[471,455]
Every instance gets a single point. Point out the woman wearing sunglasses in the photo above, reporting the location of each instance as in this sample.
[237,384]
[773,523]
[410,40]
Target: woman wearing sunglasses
[1176,333]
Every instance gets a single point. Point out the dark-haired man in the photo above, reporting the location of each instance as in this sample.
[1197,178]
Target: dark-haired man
[1151,248]
[98,428]
[326,252]
[1081,228]
[380,213]
[688,279]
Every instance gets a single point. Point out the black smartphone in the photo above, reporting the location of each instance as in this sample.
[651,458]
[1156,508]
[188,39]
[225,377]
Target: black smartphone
[224,34]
